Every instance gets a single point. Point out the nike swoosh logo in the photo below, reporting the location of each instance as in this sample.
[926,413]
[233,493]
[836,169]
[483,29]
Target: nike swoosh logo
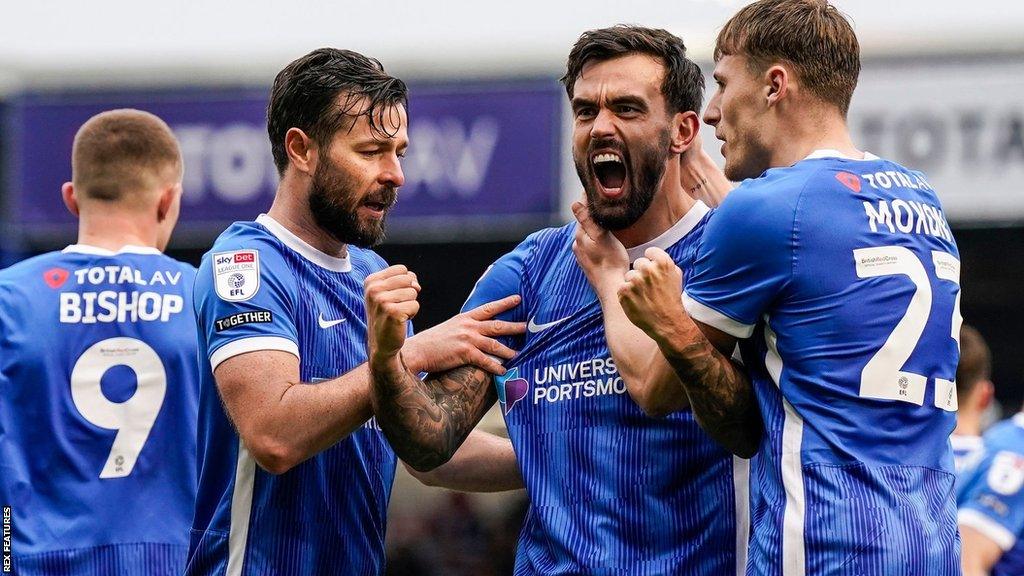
[533,327]
[327,323]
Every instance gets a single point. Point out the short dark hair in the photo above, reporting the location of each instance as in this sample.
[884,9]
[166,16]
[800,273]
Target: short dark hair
[975,361]
[123,152]
[811,35]
[305,96]
[683,85]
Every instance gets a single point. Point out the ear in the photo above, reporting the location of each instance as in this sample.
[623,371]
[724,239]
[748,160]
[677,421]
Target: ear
[986,392]
[776,84]
[301,149]
[165,204]
[67,193]
[687,126]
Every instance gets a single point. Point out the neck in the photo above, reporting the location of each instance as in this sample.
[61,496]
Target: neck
[112,230]
[968,423]
[291,210]
[819,130]
[670,204]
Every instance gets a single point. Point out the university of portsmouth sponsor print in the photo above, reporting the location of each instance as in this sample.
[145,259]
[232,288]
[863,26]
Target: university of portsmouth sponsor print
[237,274]
[120,305]
[560,383]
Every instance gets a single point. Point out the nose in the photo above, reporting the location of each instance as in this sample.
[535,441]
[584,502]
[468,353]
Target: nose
[604,125]
[713,113]
[392,173]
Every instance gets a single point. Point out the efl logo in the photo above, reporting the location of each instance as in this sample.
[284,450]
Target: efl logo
[245,257]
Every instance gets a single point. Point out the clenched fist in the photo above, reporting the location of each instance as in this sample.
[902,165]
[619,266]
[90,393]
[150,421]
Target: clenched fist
[652,294]
[390,304]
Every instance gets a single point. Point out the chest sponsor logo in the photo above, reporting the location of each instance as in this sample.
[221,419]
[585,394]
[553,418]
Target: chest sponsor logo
[55,277]
[560,383]
[1007,473]
[325,324]
[236,274]
[511,389]
[243,318]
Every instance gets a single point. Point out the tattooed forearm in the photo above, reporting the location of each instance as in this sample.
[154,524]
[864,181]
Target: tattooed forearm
[720,394]
[427,420]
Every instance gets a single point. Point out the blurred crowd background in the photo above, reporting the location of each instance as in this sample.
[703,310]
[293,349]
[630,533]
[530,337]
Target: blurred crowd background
[942,91]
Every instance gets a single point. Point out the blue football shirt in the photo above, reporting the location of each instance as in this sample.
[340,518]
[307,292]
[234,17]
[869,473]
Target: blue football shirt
[612,491]
[991,498]
[262,288]
[98,400]
[844,278]
[966,451]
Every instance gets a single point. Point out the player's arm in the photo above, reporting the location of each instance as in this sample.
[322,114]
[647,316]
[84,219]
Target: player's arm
[427,420]
[484,463]
[979,552]
[283,421]
[701,177]
[719,392]
[650,380]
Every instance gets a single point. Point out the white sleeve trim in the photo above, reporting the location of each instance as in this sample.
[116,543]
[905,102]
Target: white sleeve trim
[252,344]
[712,317]
[987,526]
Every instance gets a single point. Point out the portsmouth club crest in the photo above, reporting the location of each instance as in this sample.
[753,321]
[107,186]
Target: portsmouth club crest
[237,274]
[511,389]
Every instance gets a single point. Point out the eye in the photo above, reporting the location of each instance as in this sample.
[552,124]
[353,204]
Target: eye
[584,113]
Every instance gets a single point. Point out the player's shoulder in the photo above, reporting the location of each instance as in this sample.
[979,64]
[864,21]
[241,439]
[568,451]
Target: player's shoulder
[29,266]
[1006,435]
[245,235]
[366,259]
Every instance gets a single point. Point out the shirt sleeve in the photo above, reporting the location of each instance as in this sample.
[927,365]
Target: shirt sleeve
[501,279]
[994,504]
[245,301]
[744,261]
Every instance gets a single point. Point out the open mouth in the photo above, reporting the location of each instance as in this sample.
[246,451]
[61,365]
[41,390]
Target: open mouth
[379,203]
[610,170]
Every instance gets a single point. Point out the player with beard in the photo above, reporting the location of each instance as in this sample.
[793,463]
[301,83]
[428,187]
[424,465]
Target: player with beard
[294,475]
[612,489]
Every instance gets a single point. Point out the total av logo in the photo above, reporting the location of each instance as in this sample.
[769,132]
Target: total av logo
[511,389]
[237,274]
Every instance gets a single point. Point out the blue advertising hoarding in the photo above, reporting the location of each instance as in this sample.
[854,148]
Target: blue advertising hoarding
[482,156]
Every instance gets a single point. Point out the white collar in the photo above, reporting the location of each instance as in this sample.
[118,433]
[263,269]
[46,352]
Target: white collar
[305,250]
[672,235]
[830,153]
[97,251]
[965,441]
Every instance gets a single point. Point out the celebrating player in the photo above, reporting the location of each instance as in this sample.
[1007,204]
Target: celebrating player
[611,489]
[839,273]
[98,371]
[293,477]
[974,392]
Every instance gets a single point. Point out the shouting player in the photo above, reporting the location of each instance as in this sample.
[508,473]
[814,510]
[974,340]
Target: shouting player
[294,479]
[611,489]
[838,272]
[98,371]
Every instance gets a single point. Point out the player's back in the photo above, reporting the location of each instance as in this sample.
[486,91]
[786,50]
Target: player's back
[850,285]
[991,494]
[98,400]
